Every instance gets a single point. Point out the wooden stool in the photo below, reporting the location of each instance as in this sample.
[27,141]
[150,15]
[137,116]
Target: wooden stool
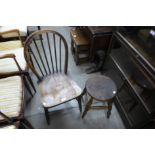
[100,88]
[80,46]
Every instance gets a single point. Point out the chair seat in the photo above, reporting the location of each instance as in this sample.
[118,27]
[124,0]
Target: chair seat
[8,45]
[11,96]
[58,88]
[22,30]
[9,127]
[9,65]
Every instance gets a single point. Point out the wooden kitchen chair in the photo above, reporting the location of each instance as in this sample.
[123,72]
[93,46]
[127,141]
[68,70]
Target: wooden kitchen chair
[49,55]
[8,66]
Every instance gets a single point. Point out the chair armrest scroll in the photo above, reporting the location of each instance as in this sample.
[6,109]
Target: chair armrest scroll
[3,56]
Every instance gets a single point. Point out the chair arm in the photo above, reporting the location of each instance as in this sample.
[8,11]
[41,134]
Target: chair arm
[12,31]
[4,56]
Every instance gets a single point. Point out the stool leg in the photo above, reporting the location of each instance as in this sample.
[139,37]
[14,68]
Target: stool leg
[109,109]
[88,106]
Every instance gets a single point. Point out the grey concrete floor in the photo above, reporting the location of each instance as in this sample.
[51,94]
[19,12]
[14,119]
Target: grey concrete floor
[67,116]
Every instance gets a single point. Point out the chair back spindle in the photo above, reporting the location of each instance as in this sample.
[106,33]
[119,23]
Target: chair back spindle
[46,55]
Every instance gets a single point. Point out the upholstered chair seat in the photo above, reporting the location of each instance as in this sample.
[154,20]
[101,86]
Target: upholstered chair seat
[11,96]
[10,67]
[8,45]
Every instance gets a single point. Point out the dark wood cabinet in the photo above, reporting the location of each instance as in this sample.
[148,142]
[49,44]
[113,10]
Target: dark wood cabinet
[134,60]
[99,37]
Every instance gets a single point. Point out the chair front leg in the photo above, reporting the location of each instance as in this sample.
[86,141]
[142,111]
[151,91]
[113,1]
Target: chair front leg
[79,102]
[79,98]
[47,115]
[109,108]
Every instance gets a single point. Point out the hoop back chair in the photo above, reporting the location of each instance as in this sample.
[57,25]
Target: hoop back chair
[7,66]
[46,53]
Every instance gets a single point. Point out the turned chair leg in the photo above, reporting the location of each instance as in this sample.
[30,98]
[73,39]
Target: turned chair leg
[79,99]
[47,115]
[109,109]
[79,102]
[88,106]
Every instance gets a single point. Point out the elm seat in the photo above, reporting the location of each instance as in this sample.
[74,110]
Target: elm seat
[57,89]
[8,45]
[8,65]
[11,96]
[22,31]
[9,127]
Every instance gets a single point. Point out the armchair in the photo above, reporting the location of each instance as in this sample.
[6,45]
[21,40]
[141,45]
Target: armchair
[8,67]
[12,96]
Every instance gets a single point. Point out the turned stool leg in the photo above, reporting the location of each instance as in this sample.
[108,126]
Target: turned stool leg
[88,106]
[109,108]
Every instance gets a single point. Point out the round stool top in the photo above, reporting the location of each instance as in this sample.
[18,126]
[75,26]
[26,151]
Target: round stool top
[101,88]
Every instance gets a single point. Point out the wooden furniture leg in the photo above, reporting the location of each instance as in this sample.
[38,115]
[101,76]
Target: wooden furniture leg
[88,106]
[79,102]
[47,115]
[109,108]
